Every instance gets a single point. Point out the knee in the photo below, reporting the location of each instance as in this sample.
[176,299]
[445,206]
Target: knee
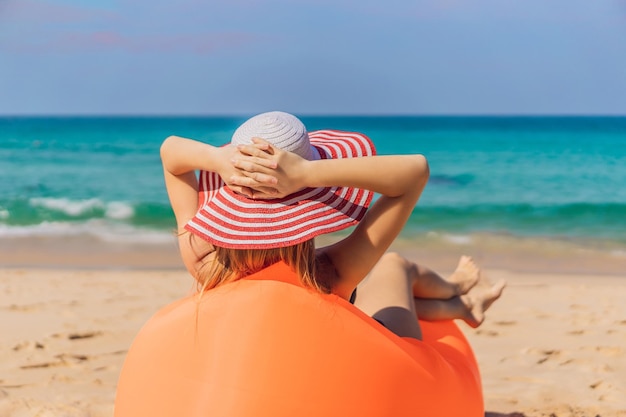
[395,259]
[396,262]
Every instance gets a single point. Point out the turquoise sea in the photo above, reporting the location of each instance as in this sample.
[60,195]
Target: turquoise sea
[546,177]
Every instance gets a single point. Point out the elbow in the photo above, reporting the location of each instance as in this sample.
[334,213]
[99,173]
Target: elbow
[419,176]
[165,145]
[414,176]
[422,169]
[169,153]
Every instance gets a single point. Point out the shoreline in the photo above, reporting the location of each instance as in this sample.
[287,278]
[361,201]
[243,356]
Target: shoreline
[507,253]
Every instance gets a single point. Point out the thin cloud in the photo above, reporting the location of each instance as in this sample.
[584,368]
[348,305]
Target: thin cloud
[42,27]
[106,41]
[38,11]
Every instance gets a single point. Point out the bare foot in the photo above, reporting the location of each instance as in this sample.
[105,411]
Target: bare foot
[478,300]
[465,276]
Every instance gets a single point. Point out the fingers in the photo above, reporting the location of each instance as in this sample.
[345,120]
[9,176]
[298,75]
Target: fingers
[257,194]
[254,164]
[259,151]
[262,151]
[257,170]
[252,159]
[252,188]
[259,148]
[257,179]
[252,180]
[264,145]
[247,191]
[265,195]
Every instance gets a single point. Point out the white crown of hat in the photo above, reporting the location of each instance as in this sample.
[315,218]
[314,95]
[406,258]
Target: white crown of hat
[283,130]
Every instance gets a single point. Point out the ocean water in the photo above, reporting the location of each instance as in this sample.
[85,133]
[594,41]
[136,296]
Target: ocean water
[528,177]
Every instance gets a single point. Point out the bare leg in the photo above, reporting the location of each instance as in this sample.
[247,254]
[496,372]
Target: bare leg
[387,295]
[428,284]
[469,307]
[479,299]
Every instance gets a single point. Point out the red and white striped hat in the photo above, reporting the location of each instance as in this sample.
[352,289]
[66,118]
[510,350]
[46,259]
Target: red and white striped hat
[231,220]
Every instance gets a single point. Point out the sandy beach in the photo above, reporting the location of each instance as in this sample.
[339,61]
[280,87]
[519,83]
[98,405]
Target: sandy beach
[553,346]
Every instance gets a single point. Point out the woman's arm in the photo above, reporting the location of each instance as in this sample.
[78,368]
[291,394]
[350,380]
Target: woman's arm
[181,157]
[400,179]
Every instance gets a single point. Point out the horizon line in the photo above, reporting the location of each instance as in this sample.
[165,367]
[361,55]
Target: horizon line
[358,115]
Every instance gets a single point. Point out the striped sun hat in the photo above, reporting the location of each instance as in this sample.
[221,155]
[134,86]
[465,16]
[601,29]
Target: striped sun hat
[231,220]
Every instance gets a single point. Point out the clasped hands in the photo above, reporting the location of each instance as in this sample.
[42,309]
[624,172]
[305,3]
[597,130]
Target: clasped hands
[262,171]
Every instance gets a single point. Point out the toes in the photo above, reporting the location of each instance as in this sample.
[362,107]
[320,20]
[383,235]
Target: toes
[464,260]
[498,287]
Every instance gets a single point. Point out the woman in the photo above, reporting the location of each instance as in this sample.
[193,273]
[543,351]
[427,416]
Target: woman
[263,199]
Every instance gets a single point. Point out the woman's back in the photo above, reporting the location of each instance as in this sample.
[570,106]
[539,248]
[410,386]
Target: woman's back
[265,346]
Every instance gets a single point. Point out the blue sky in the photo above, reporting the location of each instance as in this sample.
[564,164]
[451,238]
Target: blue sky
[313,56]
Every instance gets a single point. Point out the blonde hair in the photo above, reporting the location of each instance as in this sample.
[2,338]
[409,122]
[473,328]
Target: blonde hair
[230,265]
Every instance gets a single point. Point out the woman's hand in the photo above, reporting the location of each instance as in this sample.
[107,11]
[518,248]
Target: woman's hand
[267,171]
[227,170]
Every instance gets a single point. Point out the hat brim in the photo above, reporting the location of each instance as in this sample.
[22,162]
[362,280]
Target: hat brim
[231,220]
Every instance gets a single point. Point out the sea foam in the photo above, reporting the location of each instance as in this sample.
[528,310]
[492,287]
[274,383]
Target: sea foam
[74,208]
[101,230]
